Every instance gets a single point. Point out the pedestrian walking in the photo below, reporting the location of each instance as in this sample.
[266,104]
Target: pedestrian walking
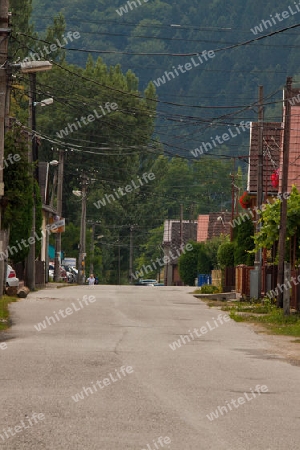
[91,280]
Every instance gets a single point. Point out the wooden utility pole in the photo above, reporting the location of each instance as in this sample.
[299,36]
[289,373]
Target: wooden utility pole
[284,189]
[233,189]
[181,227]
[32,159]
[82,248]
[92,248]
[259,198]
[4,34]
[131,254]
[4,106]
[59,213]
[119,263]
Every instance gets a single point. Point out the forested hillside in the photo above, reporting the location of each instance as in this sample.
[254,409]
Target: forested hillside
[144,40]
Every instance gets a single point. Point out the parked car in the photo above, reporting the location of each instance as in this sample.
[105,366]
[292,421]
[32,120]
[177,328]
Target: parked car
[63,273]
[51,272]
[71,273]
[146,283]
[11,279]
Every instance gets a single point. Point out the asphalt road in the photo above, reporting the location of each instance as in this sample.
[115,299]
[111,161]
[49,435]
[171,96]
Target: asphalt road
[101,375]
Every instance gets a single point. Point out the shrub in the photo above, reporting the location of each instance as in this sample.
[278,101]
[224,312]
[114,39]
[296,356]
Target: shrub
[209,289]
[204,263]
[226,255]
[244,243]
[187,265]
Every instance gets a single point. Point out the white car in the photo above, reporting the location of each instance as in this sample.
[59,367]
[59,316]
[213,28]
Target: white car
[147,283]
[11,279]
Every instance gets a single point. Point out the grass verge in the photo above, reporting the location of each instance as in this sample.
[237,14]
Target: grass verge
[264,313]
[4,313]
[267,315]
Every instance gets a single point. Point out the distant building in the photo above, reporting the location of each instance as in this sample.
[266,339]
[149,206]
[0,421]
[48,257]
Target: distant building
[213,225]
[272,145]
[172,245]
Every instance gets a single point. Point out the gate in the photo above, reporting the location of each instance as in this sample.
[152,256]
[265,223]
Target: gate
[40,279]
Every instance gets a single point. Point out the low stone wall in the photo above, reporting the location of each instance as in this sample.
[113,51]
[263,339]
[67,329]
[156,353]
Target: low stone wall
[218,296]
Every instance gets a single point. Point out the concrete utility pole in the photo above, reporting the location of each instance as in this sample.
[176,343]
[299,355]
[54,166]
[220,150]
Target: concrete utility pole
[284,189]
[259,198]
[4,106]
[60,176]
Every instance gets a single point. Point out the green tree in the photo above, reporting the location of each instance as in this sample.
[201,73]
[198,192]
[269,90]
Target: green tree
[187,264]
[18,198]
[270,222]
[204,264]
[212,247]
[151,250]
[244,243]
[225,254]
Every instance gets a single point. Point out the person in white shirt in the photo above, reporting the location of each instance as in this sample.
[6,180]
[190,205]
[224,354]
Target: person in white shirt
[91,279]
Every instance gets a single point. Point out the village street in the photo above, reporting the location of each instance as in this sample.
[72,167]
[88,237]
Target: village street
[131,367]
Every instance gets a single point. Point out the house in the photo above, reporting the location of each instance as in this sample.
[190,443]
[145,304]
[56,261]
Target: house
[274,134]
[206,227]
[294,140]
[212,225]
[173,244]
[272,145]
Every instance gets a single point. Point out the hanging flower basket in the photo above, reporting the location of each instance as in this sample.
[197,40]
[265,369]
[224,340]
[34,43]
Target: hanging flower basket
[275,178]
[245,200]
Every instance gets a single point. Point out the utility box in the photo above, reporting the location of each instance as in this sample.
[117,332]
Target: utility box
[204,279]
[254,284]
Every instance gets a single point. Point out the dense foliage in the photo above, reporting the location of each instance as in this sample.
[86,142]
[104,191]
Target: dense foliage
[187,264]
[143,40]
[244,243]
[270,221]
[225,254]
[203,259]
[18,199]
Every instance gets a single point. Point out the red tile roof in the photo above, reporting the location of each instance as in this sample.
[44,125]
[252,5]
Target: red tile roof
[272,144]
[209,226]
[202,229]
[172,231]
[218,226]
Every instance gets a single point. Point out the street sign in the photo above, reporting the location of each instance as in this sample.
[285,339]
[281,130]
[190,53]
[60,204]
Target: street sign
[57,224]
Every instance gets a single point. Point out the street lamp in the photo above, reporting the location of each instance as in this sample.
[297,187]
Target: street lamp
[31,68]
[34,66]
[46,102]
